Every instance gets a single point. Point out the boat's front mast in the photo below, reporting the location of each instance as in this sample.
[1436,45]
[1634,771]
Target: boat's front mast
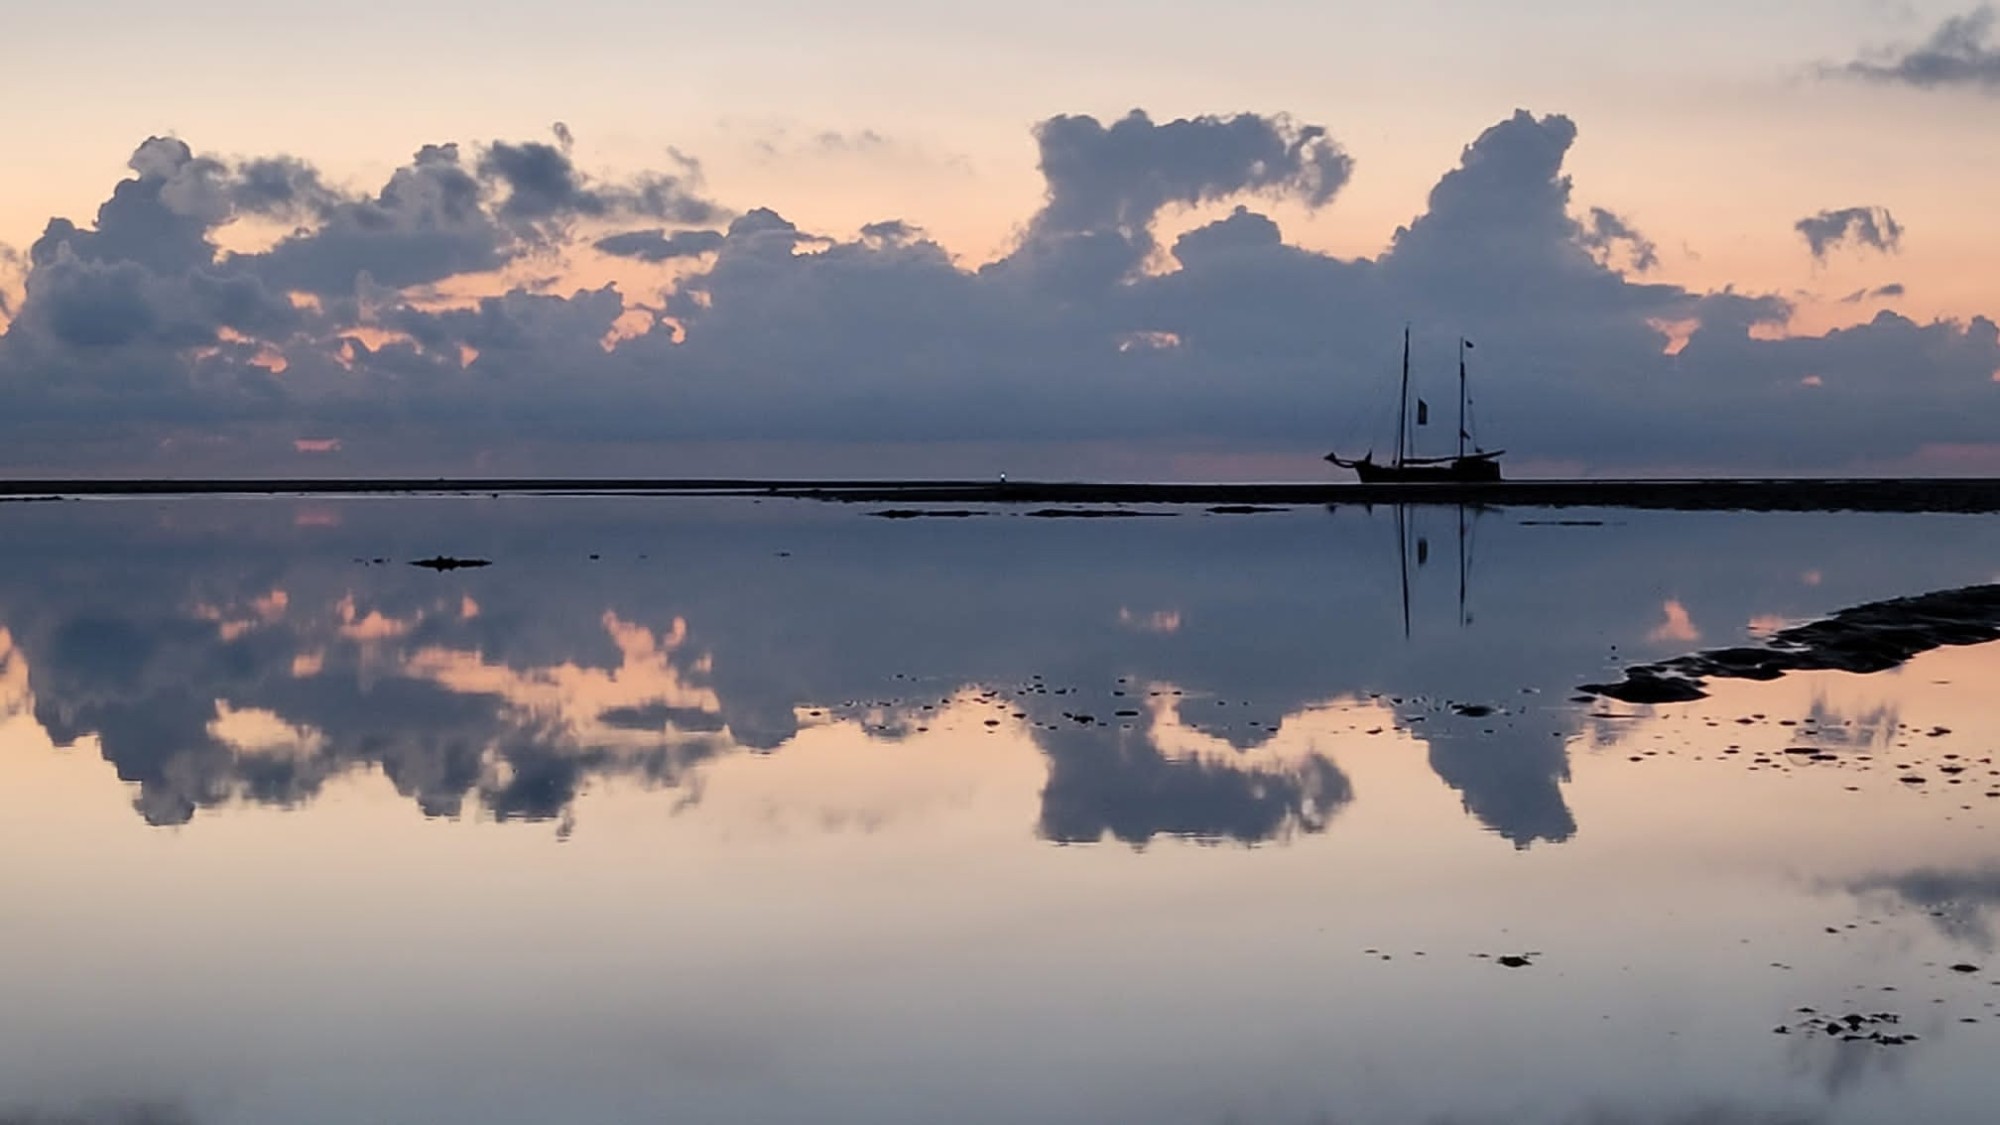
[1403,404]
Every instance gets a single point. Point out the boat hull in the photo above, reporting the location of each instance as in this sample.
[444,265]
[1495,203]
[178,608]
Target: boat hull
[1461,470]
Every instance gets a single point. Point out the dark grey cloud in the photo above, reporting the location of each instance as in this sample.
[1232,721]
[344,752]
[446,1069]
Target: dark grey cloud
[427,223]
[89,304]
[281,187]
[539,183]
[1960,53]
[1108,183]
[437,217]
[1606,232]
[656,245]
[1872,228]
[892,232]
[158,219]
[1889,292]
[1119,176]
[1088,335]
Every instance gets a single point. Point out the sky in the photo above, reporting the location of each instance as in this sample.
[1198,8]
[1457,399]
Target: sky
[890,238]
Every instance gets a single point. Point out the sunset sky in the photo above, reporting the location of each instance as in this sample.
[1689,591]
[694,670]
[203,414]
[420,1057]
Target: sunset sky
[1665,314]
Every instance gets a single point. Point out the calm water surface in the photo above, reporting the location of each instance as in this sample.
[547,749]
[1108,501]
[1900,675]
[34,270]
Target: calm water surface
[717,811]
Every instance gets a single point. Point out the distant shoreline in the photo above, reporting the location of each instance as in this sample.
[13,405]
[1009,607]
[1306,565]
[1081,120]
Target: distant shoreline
[1951,494]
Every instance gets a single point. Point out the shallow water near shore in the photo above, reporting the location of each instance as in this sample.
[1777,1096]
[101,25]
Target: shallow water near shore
[709,809]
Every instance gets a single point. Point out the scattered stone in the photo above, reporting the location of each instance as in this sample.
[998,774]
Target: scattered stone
[1854,1028]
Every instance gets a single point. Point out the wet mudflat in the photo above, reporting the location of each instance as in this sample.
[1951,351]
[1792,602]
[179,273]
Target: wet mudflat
[725,810]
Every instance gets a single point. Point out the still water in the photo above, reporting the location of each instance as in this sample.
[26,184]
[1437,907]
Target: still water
[717,810]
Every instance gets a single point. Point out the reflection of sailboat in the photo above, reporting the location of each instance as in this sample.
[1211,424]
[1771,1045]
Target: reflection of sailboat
[1422,549]
[1464,468]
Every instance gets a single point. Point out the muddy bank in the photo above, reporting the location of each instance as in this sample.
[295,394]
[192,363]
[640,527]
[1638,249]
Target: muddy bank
[1868,638]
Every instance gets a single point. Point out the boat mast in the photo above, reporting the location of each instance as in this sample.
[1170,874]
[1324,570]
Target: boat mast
[1461,397]
[1403,404]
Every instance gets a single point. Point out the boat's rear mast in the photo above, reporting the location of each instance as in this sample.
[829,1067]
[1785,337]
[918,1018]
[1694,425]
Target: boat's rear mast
[1461,397]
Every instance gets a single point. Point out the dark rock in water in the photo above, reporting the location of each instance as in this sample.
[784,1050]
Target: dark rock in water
[1512,961]
[445,562]
[1867,638]
[1965,968]
[1641,686]
[1473,710]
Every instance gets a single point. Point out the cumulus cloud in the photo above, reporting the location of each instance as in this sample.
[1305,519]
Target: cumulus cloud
[1960,53]
[1872,228]
[1088,334]
[1108,183]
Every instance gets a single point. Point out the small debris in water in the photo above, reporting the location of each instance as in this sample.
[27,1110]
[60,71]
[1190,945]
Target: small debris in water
[445,562]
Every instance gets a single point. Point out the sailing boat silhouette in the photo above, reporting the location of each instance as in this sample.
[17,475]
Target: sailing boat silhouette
[1479,466]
